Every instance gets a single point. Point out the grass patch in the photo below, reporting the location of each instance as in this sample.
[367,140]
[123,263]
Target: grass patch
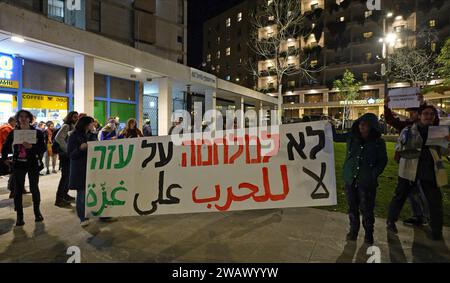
[386,189]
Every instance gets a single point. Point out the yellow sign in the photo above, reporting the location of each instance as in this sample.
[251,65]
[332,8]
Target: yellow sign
[38,101]
[9,84]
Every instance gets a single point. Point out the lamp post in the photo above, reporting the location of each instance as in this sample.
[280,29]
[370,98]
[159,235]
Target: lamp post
[387,38]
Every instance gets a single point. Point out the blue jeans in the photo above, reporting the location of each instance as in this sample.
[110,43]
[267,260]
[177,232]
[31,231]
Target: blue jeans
[81,196]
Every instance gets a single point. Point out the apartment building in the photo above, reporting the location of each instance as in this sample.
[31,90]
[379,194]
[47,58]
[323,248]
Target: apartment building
[342,34]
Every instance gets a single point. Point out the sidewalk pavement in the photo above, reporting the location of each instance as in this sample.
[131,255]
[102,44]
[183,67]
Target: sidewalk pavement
[274,235]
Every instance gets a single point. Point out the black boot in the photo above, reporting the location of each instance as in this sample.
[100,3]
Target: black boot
[368,238]
[62,203]
[37,214]
[352,235]
[20,221]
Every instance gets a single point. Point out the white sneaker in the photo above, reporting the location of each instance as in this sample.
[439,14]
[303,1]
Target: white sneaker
[85,222]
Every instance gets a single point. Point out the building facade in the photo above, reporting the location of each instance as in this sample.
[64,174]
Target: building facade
[339,35]
[52,65]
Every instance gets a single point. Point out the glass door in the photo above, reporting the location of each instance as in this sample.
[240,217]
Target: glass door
[8,106]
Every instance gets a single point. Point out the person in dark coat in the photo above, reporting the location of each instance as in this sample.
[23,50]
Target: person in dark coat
[27,159]
[77,149]
[365,160]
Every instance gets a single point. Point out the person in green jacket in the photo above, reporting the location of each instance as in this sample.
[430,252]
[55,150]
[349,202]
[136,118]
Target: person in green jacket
[365,160]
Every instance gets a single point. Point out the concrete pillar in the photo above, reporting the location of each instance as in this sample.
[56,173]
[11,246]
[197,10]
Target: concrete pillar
[259,112]
[301,112]
[325,110]
[326,97]
[239,104]
[84,85]
[165,105]
[210,102]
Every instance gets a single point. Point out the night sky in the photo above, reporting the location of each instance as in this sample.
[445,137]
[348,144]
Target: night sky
[198,12]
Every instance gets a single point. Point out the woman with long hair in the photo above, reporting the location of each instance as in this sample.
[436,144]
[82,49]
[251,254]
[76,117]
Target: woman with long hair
[131,130]
[63,199]
[108,132]
[77,149]
[49,154]
[27,159]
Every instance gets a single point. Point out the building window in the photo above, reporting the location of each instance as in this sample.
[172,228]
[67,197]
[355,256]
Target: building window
[208,58]
[179,39]
[240,60]
[342,19]
[368,56]
[218,40]
[218,68]
[291,84]
[228,77]
[365,76]
[270,34]
[228,22]
[269,2]
[237,79]
[314,6]
[368,34]
[368,13]
[271,18]
[313,25]
[239,16]
[56,9]
[218,54]
[399,28]
[432,23]
[228,51]
[313,63]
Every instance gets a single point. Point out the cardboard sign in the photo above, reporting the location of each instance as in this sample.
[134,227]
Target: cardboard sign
[401,98]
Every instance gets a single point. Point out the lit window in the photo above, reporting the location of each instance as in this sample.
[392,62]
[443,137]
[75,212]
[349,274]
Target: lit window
[291,83]
[313,63]
[432,23]
[240,60]
[237,79]
[368,34]
[228,77]
[218,68]
[270,34]
[239,17]
[368,13]
[218,40]
[218,54]
[289,13]
[228,51]
[228,22]
[341,19]
[365,76]
[368,56]
[399,28]
[433,46]
[271,18]
[208,58]
[313,25]
[314,6]
[269,2]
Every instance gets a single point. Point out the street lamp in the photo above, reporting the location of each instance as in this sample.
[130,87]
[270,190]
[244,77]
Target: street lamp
[387,39]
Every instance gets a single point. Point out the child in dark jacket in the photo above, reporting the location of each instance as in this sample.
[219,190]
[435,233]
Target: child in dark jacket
[365,160]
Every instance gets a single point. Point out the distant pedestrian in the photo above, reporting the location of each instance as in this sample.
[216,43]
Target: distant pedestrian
[147,129]
[63,199]
[49,154]
[131,130]
[27,159]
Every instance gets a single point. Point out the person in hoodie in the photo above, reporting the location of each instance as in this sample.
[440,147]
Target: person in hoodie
[366,158]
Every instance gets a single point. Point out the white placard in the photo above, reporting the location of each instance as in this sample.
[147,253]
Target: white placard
[21,136]
[401,98]
[437,135]
[292,167]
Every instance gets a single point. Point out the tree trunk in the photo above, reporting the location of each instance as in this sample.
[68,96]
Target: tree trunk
[280,104]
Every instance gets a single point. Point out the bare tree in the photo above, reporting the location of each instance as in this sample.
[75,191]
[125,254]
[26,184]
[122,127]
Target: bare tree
[415,66]
[274,24]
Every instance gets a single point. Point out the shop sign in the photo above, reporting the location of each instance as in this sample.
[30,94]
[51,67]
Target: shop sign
[9,71]
[38,101]
[203,78]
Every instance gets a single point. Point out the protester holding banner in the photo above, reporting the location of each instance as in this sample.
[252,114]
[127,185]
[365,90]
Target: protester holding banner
[27,159]
[365,161]
[77,149]
[131,130]
[420,165]
[62,197]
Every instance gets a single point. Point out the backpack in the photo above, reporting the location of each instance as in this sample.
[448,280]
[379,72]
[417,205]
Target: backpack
[55,145]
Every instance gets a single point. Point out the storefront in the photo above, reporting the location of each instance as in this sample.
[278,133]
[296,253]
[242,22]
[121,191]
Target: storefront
[47,91]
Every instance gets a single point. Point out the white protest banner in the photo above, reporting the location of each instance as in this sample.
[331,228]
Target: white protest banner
[292,167]
[401,98]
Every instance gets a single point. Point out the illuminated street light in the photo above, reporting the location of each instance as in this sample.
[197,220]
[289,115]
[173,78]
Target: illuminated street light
[390,38]
[18,39]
